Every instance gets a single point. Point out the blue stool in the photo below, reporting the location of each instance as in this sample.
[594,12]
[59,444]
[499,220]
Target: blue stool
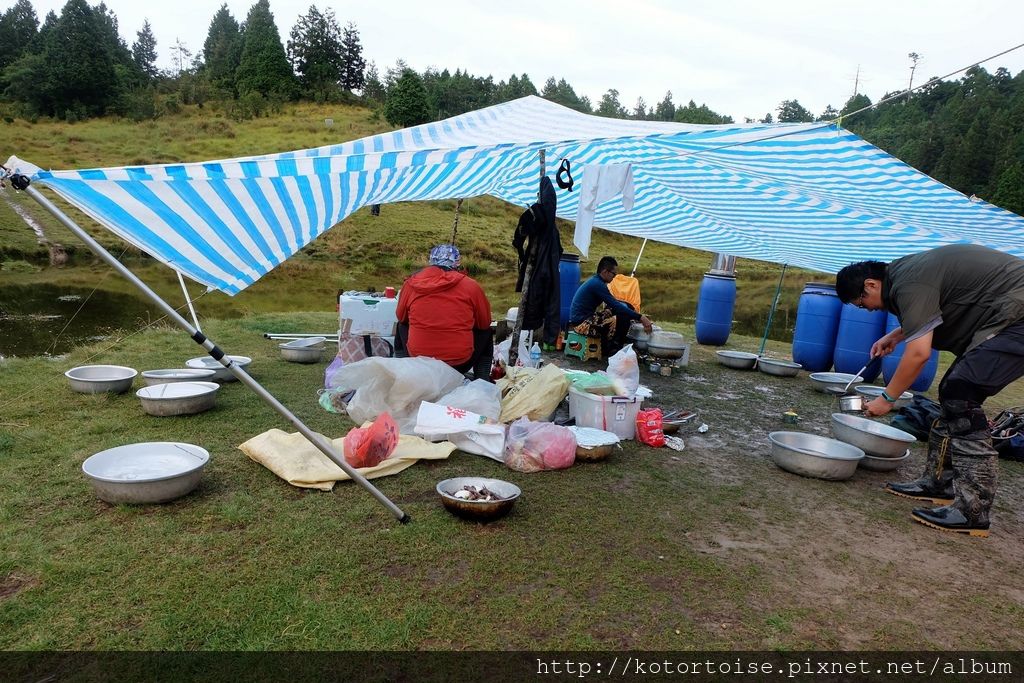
[582,346]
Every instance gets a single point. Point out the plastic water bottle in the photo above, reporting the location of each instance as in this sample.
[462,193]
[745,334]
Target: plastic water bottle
[535,355]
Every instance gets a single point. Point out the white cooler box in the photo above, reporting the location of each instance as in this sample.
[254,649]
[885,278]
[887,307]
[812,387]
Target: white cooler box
[365,314]
[616,414]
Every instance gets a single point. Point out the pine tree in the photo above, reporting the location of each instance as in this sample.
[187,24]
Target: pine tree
[791,111]
[1009,192]
[610,105]
[144,51]
[373,90]
[263,67]
[18,29]
[314,50]
[829,114]
[222,50]
[353,66]
[665,110]
[640,109]
[80,78]
[406,104]
[180,57]
[562,93]
[691,113]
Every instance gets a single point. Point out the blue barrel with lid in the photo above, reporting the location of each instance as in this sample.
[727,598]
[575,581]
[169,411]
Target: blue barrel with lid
[568,283]
[889,363]
[858,330]
[715,305]
[817,321]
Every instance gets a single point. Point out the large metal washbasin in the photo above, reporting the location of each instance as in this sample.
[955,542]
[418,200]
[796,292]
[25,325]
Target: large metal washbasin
[874,438]
[816,456]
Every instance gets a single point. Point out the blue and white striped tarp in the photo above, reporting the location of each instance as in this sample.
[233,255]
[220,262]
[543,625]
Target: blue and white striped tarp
[810,195]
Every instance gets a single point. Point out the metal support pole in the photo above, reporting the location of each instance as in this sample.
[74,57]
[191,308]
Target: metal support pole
[635,265]
[188,300]
[321,443]
[771,313]
[531,256]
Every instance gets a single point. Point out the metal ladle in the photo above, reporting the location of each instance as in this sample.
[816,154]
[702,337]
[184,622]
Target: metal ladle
[857,375]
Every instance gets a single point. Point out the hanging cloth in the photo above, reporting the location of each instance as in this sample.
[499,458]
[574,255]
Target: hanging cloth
[601,183]
[543,299]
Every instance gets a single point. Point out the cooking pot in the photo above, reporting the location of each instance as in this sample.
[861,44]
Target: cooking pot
[638,336]
[665,344]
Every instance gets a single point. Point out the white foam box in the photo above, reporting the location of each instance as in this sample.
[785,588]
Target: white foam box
[616,414]
[367,315]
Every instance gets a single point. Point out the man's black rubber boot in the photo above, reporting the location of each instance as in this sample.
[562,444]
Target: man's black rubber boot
[949,518]
[974,485]
[936,483]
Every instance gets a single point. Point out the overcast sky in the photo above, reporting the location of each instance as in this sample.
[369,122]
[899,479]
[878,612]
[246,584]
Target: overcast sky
[740,58]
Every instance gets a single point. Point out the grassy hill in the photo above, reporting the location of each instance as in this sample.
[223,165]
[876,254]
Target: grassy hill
[363,251]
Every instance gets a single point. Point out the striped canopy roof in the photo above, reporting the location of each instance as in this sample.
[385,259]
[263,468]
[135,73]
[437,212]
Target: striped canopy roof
[810,195]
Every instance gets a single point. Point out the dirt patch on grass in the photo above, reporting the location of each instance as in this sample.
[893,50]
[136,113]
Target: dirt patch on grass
[837,564]
[15,583]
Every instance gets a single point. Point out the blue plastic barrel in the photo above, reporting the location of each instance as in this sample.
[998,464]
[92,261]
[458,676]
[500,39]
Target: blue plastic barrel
[568,283]
[715,304]
[889,363]
[817,321]
[858,330]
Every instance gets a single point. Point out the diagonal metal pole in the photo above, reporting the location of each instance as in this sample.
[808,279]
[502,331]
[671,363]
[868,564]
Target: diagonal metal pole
[321,443]
[771,313]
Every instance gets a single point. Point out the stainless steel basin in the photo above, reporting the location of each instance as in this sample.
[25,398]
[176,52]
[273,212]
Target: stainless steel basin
[838,380]
[179,398]
[779,368]
[874,438]
[877,464]
[871,392]
[151,377]
[308,350]
[152,472]
[476,510]
[221,373]
[738,360]
[95,379]
[810,455]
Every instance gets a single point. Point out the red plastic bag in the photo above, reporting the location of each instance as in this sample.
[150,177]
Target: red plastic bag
[648,427]
[367,446]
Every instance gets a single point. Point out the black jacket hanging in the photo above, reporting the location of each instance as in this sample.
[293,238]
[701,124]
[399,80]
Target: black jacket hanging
[537,227]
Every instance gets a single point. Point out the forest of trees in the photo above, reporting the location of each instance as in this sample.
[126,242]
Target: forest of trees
[966,133]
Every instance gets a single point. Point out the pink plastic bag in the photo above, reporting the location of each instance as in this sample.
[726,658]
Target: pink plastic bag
[536,446]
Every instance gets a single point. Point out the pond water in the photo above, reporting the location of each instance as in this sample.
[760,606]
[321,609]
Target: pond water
[52,319]
[45,318]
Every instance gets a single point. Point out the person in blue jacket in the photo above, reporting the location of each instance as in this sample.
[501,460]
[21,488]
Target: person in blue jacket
[610,321]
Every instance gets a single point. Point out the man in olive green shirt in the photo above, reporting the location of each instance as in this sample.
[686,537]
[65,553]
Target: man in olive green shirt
[968,300]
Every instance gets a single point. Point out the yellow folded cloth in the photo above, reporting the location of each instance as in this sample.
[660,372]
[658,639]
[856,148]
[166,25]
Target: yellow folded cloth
[293,458]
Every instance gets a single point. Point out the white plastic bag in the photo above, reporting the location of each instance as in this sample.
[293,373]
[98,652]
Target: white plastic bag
[394,385]
[625,369]
[469,431]
[479,396]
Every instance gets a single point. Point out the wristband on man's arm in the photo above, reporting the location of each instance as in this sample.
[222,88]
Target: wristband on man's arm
[887,397]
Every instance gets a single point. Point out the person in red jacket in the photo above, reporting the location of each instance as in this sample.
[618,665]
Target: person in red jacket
[443,313]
